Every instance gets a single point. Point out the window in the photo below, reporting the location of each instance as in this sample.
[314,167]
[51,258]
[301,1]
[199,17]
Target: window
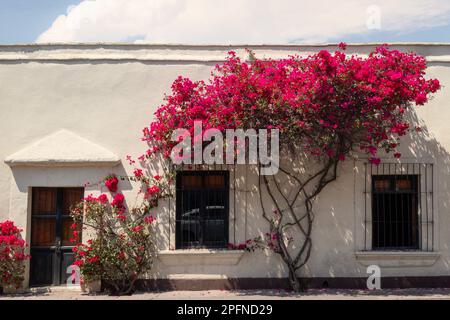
[202,209]
[399,206]
[395,212]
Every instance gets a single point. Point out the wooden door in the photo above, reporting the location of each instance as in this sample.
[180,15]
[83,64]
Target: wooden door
[51,249]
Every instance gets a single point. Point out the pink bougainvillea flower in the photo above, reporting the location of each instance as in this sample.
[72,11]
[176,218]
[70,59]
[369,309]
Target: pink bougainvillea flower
[342,46]
[94,259]
[138,173]
[78,263]
[118,201]
[421,98]
[375,161]
[103,198]
[149,219]
[111,183]
[121,217]
[153,190]
[130,160]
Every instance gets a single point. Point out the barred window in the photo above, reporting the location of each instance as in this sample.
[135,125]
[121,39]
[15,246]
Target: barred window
[394,212]
[202,209]
[400,197]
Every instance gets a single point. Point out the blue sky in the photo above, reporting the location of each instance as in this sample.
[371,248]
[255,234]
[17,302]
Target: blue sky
[426,34]
[22,21]
[224,21]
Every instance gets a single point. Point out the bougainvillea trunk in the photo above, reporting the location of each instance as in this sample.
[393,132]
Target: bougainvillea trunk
[291,222]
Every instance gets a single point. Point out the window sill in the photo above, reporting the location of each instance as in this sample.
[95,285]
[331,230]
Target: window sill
[195,257]
[397,258]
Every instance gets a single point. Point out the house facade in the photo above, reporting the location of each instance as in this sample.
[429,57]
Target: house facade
[71,114]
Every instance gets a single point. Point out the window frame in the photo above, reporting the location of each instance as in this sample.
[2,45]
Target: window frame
[179,244]
[415,193]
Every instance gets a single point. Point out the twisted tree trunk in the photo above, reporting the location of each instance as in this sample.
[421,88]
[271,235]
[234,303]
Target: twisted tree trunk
[294,213]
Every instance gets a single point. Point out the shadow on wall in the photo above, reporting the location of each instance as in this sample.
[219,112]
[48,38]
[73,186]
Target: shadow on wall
[163,213]
[419,147]
[336,225]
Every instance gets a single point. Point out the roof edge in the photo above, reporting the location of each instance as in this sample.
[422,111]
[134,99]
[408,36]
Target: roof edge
[215,45]
[192,53]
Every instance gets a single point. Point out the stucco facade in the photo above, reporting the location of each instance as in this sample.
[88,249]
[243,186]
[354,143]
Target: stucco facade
[101,96]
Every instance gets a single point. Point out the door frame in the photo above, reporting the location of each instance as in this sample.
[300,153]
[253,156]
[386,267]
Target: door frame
[57,250]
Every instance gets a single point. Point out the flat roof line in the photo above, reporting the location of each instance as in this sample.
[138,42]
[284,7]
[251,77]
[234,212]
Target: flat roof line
[212,45]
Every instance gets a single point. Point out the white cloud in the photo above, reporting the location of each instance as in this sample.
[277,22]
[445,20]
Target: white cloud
[237,21]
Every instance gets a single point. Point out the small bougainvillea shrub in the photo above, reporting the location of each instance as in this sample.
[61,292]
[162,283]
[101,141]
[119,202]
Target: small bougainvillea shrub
[12,256]
[121,248]
[122,245]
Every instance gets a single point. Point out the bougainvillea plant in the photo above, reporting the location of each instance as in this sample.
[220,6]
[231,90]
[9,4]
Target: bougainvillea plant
[122,245]
[12,256]
[327,106]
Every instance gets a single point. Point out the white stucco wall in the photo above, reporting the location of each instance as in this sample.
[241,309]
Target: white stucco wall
[108,93]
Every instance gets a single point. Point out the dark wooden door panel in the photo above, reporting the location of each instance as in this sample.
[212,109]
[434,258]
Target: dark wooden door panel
[71,196]
[41,262]
[44,201]
[43,231]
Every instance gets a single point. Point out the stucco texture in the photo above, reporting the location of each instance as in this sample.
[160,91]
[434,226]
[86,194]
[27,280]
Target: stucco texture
[107,93]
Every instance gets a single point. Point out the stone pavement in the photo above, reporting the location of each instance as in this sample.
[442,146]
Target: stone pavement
[326,294]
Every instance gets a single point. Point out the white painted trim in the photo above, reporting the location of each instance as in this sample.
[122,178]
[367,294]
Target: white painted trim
[70,52]
[417,160]
[397,258]
[61,288]
[200,257]
[62,163]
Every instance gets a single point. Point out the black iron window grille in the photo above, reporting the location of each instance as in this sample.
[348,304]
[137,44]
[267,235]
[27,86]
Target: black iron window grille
[400,197]
[202,200]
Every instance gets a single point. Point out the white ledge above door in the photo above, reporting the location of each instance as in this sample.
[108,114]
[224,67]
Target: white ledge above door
[63,148]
